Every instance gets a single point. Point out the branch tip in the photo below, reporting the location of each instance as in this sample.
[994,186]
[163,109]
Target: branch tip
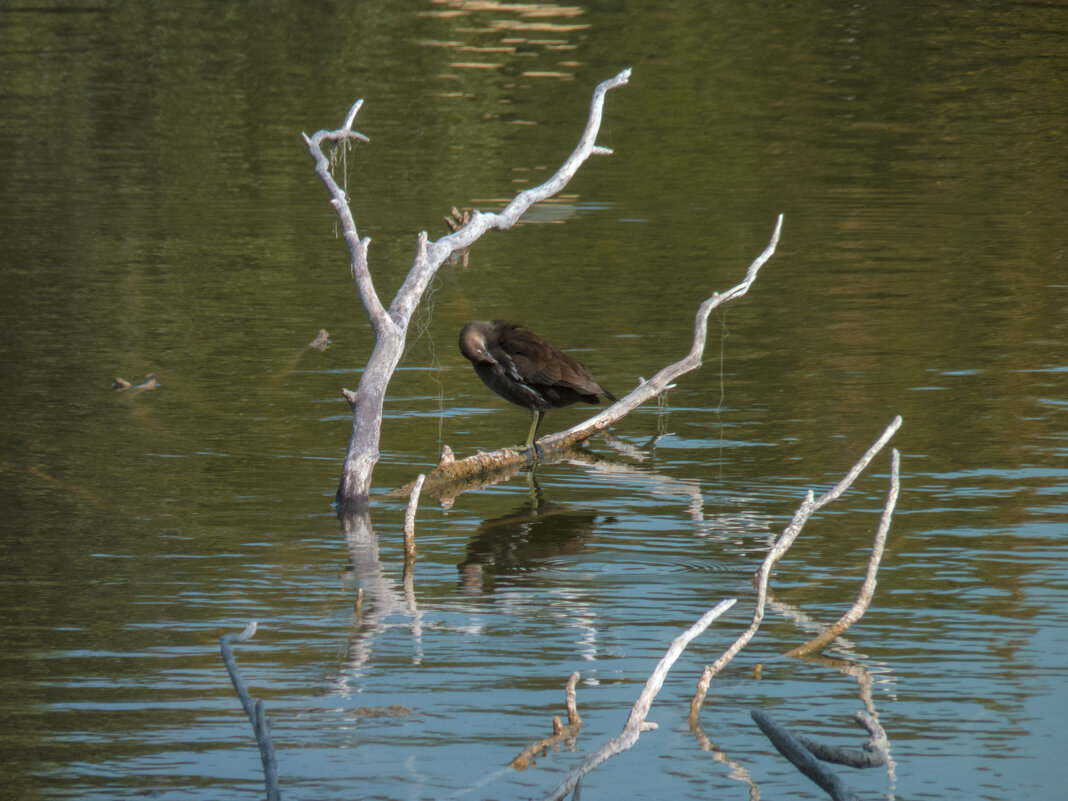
[351,117]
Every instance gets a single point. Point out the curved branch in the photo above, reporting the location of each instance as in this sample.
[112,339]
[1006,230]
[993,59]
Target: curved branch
[867,589]
[450,471]
[802,759]
[361,271]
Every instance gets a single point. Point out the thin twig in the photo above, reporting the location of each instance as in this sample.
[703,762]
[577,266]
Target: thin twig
[261,724]
[409,518]
[560,732]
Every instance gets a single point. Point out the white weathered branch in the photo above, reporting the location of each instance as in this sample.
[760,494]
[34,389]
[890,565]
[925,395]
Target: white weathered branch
[636,722]
[807,508]
[867,589]
[449,471]
[391,326]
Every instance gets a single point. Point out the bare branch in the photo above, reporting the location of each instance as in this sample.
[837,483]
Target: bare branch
[261,725]
[560,732]
[391,326]
[361,272]
[480,223]
[636,722]
[873,753]
[454,471]
[807,508]
[867,589]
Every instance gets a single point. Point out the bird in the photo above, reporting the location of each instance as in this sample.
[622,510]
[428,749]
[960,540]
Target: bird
[526,370]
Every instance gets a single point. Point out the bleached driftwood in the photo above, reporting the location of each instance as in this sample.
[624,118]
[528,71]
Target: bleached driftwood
[390,324]
[809,506]
[451,471]
[636,721]
[867,589]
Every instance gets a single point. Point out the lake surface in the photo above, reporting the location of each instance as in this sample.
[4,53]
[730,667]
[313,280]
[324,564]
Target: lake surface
[161,215]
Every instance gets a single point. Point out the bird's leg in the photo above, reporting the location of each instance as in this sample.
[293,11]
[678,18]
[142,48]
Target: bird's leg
[535,421]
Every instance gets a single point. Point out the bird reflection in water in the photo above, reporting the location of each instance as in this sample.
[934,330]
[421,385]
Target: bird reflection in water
[523,541]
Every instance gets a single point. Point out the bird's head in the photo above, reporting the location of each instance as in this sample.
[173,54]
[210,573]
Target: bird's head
[473,342]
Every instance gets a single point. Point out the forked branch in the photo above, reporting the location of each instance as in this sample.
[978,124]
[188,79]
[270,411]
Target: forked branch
[808,507]
[391,325]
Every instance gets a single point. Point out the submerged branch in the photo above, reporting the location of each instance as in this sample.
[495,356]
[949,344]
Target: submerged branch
[803,759]
[261,725]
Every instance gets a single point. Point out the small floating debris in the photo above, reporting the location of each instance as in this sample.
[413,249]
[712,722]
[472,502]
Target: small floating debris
[321,341]
[122,385]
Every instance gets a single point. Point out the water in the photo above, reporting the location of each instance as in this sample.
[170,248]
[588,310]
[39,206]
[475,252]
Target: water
[161,216]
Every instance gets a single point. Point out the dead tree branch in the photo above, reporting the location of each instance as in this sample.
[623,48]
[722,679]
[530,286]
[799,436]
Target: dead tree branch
[808,507]
[261,724]
[391,325]
[451,471]
[560,731]
[804,760]
[636,721]
[867,589]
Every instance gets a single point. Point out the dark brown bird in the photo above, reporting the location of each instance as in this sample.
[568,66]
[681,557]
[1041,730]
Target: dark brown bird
[523,368]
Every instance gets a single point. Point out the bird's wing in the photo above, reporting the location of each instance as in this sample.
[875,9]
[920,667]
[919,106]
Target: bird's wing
[538,362]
